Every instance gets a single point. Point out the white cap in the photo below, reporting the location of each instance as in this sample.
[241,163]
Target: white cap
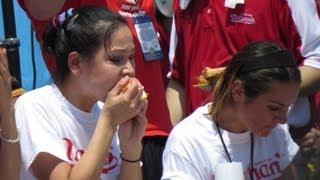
[165,7]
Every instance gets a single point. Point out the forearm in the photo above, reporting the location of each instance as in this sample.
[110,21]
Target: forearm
[9,152]
[91,163]
[44,10]
[310,80]
[176,101]
[130,170]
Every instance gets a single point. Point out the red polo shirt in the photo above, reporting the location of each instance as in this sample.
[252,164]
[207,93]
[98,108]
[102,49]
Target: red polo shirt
[209,34]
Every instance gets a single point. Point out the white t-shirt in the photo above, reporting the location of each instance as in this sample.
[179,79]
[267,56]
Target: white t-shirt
[49,123]
[194,149]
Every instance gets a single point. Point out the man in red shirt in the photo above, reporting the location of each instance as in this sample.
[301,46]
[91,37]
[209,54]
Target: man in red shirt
[151,73]
[208,33]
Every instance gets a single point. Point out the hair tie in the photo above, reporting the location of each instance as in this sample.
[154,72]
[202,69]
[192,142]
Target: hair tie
[59,19]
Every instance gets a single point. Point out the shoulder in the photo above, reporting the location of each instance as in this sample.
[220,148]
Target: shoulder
[40,95]
[280,138]
[190,130]
[281,129]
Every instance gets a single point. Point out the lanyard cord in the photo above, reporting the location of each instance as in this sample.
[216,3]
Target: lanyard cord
[228,155]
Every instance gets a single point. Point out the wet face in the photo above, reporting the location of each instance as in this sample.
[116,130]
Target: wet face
[108,66]
[263,113]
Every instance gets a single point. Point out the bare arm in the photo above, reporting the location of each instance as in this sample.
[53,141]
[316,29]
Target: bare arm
[176,101]
[310,80]
[130,136]
[130,170]
[44,10]
[90,165]
[9,152]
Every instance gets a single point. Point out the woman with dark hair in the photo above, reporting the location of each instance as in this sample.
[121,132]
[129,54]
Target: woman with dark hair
[246,121]
[148,30]
[90,122]
[9,137]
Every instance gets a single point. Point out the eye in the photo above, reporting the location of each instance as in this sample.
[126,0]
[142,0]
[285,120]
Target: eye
[273,108]
[118,60]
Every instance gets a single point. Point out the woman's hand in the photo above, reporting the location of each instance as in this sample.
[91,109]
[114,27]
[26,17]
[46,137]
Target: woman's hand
[131,133]
[5,83]
[311,140]
[121,106]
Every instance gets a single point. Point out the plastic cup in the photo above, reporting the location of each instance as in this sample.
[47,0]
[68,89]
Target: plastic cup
[229,171]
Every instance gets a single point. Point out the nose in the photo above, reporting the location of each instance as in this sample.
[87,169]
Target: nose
[129,68]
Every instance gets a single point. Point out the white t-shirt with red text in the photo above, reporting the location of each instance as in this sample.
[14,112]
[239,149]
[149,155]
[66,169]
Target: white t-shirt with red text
[49,123]
[194,149]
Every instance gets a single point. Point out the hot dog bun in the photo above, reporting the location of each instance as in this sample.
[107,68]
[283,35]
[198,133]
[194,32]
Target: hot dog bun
[126,87]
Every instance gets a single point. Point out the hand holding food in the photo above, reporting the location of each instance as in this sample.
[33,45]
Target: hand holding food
[209,76]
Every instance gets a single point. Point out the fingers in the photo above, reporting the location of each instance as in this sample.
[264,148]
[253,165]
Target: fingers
[125,105]
[3,57]
[310,139]
[4,70]
[134,90]
[119,86]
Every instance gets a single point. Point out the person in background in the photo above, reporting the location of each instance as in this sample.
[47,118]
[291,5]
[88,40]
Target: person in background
[207,33]
[90,122]
[245,122]
[9,136]
[152,65]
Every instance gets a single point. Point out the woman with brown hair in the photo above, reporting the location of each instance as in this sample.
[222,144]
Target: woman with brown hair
[246,121]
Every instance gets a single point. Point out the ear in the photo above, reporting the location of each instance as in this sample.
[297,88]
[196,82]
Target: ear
[74,61]
[237,91]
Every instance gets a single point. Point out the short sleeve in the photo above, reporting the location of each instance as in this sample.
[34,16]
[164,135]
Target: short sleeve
[291,147]
[176,167]
[38,133]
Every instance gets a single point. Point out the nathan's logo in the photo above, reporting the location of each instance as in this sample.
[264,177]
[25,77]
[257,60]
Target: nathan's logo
[74,155]
[131,1]
[242,18]
[266,169]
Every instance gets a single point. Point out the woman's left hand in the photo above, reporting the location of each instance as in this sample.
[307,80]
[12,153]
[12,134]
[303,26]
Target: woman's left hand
[5,82]
[131,133]
[311,140]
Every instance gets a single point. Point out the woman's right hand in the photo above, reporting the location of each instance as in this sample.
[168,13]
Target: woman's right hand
[121,106]
[5,82]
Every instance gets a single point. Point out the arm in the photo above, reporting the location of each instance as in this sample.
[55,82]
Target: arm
[90,165]
[176,101]
[130,136]
[175,91]
[302,35]
[310,80]
[9,152]
[43,10]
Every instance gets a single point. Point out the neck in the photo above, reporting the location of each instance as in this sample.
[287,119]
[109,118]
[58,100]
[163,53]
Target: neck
[227,120]
[74,95]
